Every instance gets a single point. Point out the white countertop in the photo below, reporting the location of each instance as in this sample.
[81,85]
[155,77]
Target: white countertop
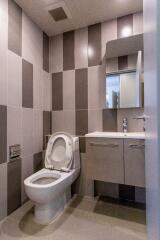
[133,135]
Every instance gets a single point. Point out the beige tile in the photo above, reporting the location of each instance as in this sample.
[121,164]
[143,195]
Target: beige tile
[96,90]
[14,80]
[56,54]
[37,131]
[69,122]
[32,38]
[137,23]
[109,32]
[37,88]
[57,121]
[47,90]
[81,48]
[94,120]
[27,132]
[69,90]
[14,127]
[3,51]
[3,190]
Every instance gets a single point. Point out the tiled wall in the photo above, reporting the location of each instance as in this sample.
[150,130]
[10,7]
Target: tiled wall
[25,101]
[78,66]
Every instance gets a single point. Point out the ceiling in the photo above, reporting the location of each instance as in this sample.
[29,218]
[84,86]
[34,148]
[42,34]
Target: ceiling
[81,12]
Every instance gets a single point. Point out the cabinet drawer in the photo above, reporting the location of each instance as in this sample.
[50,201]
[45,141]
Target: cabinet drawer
[105,160]
[134,161]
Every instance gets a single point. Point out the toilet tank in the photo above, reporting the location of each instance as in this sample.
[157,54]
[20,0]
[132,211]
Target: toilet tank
[76,153]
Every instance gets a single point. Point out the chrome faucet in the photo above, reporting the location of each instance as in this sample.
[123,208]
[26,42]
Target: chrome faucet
[125,125]
[143,117]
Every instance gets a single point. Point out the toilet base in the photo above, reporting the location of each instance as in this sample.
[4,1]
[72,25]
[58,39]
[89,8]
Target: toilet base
[46,213]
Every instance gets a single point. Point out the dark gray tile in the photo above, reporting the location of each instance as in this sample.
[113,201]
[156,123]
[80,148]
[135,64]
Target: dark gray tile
[127,192]
[123,63]
[110,120]
[14,27]
[68,51]
[3,134]
[81,88]
[27,84]
[82,144]
[81,122]
[126,21]
[94,45]
[14,185]
[47,125]
[57,91]
[37,161]
[45,52]
[58,14]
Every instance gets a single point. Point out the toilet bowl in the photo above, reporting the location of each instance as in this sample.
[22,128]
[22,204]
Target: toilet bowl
[49,187]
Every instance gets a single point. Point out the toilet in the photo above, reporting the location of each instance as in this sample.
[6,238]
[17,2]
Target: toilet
[49,188]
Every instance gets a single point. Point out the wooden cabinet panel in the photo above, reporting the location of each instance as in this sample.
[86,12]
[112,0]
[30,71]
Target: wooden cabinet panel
[105,159]
[134,161]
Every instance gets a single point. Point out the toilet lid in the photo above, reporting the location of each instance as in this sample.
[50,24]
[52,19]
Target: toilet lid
[59,152]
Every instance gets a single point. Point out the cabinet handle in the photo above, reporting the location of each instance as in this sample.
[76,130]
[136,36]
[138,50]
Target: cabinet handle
[112,145]
[136,146]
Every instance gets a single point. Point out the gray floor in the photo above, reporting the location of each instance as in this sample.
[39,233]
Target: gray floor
[84,219]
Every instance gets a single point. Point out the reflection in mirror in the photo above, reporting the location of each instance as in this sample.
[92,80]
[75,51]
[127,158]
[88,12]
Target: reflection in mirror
[123,90]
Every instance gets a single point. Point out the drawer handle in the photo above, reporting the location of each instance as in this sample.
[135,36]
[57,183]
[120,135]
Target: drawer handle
[112,145]
[136,146]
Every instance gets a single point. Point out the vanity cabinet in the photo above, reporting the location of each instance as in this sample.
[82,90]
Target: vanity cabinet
[116,160]
[105,160]
[134,162]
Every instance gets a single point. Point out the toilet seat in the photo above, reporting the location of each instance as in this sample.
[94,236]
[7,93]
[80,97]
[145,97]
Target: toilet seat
[59,153]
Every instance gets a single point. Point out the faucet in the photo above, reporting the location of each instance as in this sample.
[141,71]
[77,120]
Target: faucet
[143,117]
[125,125]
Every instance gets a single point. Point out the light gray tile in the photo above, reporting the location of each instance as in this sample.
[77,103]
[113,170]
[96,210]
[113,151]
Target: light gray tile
[32,38]
[27,84]
[14,80]
[81,48]
[133,125]
[3,190]
[94,120]
[38,85]
[122,24]
[45,52]
[68,51]
[14,127]
[27,170]
[109,32]
[3,51]
[69,122]
[138,23]
[14,185]
[96,89]
[47,91]
[110,120]
[94,45]
[37,131]
[56,54]
[57,91]
[3,134]
[81,88]
[58,121]
[81,122]
[69,90]
[27,132]
[14,27]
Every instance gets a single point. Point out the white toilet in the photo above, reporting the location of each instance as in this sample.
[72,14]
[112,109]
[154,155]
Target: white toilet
[49,187]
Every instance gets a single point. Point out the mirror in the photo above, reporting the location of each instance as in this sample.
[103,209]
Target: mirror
[124,73]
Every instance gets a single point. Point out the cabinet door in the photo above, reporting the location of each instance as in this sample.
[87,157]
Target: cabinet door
[105,160]
[134,161]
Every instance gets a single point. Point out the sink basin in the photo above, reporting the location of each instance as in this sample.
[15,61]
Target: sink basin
[133,135]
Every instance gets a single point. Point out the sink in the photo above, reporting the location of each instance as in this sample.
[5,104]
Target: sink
[133,135]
